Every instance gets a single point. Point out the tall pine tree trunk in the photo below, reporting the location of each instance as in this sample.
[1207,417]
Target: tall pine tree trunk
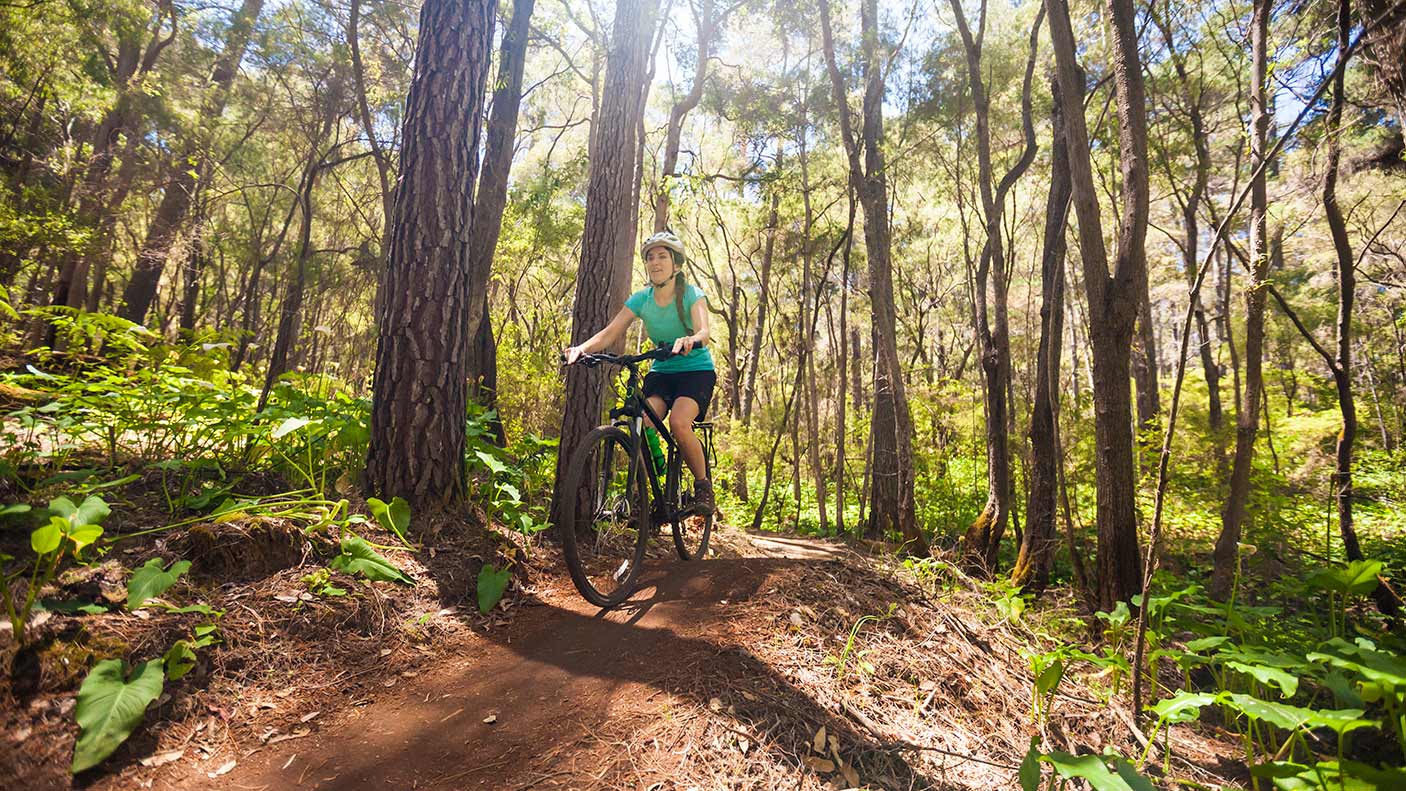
[607,241]
[420,391]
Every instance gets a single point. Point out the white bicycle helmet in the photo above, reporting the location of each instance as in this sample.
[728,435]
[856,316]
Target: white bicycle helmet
[662,239]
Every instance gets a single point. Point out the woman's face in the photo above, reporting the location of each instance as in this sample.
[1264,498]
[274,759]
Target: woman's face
[658,264]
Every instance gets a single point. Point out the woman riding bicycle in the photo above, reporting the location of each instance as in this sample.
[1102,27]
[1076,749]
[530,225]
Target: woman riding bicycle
[674,314]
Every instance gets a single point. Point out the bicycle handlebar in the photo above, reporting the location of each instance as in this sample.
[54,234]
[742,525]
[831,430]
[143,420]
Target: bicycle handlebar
[661,352]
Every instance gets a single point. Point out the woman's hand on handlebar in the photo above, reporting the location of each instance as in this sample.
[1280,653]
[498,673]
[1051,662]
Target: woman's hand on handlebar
[571,354]
[685,344]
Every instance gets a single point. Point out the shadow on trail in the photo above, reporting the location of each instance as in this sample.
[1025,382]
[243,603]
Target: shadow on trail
[564,673]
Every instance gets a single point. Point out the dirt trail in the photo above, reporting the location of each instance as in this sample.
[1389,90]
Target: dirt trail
[550,700]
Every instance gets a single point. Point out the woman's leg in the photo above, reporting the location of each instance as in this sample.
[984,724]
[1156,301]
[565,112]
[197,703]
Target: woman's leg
[681,426]
[656,404]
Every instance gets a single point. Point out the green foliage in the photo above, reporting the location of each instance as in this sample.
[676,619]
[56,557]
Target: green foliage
[357,557]
[1093,769]
[110,706]
[393,516]
[152,580]
[68,530]
[491,584]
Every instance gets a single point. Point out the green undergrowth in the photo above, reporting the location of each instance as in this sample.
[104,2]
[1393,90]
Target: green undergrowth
[122,438]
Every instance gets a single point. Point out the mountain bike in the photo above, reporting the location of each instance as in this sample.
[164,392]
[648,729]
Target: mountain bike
[607,518]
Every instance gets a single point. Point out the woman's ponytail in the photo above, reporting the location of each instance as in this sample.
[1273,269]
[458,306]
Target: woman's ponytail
[680,284]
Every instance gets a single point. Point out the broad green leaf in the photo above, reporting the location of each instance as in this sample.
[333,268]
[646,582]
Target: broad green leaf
[1183,707]
[492,462]
[491,584]
[393,516]
[1206,643]
[1049,679]
[110,707]
[1119,617]
[85,535]
[511,491]
[1387,670]
[47,538]
[91,512]
[1291,718]
[70,606]
[358,557]
[1358,578]
[179,659]
[290,425]
[152,580]
[206,634]
[1030,767]
[1093,769]
[18,508]
[1350,776]
[1288,683]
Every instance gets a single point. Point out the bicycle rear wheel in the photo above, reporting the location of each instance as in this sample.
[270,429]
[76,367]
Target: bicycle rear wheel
[691,531]
[605,524]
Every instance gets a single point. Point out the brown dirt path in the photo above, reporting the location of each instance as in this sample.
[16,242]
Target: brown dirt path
[561,697]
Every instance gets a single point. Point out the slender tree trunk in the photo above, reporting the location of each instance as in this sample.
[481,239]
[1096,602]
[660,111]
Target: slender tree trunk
[892,507]
[296,286]
[1387,600]
[982,542]
[489,203]
[707,30]
[809,316]
[384,166]
[608,236]
[420,393]
[1226,557]
[171,216]
[1112,296]
[763,297]
[1032,565]
[841,363]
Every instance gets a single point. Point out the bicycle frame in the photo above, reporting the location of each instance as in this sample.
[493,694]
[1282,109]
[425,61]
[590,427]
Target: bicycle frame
[631,415]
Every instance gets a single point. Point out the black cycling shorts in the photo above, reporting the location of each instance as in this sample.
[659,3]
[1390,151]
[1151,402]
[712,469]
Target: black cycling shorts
[670,386]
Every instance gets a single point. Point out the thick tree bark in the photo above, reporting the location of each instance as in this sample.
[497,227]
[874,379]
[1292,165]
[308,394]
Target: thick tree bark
[1112,296]
[1032,565]
[892,508]
[420,389]
[187,170]
[607,243]
[489,204]
[1226,556]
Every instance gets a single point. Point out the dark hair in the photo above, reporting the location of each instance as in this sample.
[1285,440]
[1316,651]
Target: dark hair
[680,285]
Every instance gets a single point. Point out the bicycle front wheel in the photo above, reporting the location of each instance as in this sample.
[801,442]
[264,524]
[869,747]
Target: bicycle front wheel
[605,525]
